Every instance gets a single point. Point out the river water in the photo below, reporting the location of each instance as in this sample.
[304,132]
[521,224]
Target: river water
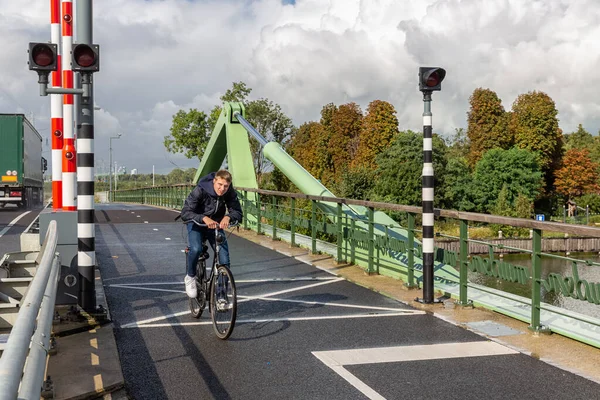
[549,265]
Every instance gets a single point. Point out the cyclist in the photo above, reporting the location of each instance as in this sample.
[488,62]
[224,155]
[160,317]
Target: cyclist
[212,202]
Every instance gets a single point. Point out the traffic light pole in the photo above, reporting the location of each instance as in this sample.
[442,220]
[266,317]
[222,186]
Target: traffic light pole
[427,199]
[86,237]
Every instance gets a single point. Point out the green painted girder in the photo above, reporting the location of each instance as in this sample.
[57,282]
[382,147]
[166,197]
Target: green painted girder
[230,139]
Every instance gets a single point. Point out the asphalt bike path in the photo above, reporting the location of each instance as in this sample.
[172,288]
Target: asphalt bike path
[301,332]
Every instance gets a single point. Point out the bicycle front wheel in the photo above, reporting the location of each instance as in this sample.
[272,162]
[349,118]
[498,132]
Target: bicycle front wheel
[223,302]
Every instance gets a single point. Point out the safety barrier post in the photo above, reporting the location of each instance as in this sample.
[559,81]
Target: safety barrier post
[314,226]
[293,222]
[274,205]
[371,214]
[339,232]
[536,263]
[258,214]
[245,217]
[464,260]
[411,252]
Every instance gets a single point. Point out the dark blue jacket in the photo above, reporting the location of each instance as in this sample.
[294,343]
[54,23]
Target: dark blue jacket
[204,202]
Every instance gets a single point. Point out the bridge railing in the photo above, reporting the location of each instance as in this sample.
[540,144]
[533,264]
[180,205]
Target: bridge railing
[23,362]
[362,240]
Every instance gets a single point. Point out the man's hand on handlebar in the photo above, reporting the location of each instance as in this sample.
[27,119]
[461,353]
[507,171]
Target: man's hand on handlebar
[212,224]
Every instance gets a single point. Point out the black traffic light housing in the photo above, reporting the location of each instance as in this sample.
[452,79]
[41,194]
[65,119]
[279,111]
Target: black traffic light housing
[86,58]
[430,78]
[43,57]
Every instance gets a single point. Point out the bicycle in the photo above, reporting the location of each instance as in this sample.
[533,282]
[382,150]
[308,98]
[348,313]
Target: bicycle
[219,285]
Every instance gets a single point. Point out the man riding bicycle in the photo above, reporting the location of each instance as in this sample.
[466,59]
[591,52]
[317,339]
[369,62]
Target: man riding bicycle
[208,204]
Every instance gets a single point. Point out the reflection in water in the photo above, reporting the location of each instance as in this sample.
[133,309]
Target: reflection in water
[549,265]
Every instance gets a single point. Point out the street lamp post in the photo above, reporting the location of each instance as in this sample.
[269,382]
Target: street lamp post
[110,165]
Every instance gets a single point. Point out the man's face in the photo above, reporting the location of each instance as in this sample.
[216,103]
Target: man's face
[221,186]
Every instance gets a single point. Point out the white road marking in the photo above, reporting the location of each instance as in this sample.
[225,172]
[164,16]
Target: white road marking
[300,279]
[149,289]
[146,324]
[155,229]
[337,359]
[167,238]
[12,223]
[407,311]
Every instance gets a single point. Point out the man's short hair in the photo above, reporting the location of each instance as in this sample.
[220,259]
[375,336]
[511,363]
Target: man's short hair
[223,174]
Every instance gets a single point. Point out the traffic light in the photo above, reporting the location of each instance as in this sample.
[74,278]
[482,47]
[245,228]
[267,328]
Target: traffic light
[86,58]
[43,57]
[430,78]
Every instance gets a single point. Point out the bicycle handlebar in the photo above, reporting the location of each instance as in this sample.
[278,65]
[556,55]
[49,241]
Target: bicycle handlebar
[231,225]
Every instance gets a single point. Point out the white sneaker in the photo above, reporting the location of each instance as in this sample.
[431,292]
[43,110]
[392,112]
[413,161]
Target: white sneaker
[190,286]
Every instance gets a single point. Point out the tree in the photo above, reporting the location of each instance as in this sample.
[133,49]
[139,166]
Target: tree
[309,148]
[458,185]
[345,127]
[578,175]
[190,133]
[580,139]
[534,124]
[401,166]
[459,145]
[487,124]
[518,169]
[379,127]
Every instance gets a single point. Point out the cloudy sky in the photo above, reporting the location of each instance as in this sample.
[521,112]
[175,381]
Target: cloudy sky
[162,56]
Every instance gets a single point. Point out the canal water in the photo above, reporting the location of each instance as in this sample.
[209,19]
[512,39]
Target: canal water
[550,265]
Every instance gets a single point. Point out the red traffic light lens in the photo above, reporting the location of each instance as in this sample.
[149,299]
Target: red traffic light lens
[84,56]
[42,55]
[433,80]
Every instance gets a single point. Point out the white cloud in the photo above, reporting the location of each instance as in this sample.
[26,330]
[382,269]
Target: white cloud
[161,56]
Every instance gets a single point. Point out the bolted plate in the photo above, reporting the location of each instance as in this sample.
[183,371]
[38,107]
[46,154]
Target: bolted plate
[491,328]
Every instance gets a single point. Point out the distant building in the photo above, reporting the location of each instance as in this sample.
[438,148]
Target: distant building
[134,171]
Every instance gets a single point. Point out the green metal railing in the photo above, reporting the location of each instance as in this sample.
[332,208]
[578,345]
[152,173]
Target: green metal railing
[362,241]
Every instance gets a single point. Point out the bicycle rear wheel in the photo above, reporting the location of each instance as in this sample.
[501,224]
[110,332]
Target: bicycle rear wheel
[223,302]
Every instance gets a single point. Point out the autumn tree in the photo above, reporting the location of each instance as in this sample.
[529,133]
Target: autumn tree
[309,147]
[487,124]
[344,130]
[379,127]
[578,174]
[534,124]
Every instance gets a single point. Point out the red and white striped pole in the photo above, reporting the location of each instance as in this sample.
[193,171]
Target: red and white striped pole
[69,164]
[56,109]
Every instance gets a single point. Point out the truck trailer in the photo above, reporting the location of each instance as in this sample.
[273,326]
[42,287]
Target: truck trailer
[22,166]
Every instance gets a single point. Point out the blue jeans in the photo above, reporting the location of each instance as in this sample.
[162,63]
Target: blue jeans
[195,240]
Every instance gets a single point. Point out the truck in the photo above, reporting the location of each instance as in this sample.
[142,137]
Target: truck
[22,166]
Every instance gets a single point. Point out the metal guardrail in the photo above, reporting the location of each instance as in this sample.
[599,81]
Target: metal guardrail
[21,368]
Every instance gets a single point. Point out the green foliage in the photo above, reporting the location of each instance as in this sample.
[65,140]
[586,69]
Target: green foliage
[458,185]
[487,124]
[459,145]
[580,139]
[534,124]
[517,169]
[190,133]
[400,168]
[591,199]
[356,183]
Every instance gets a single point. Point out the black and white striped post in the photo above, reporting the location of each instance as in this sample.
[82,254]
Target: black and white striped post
[85,62]
[430,79]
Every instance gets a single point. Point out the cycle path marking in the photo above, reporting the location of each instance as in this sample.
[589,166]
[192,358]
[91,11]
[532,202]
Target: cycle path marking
[337,359]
